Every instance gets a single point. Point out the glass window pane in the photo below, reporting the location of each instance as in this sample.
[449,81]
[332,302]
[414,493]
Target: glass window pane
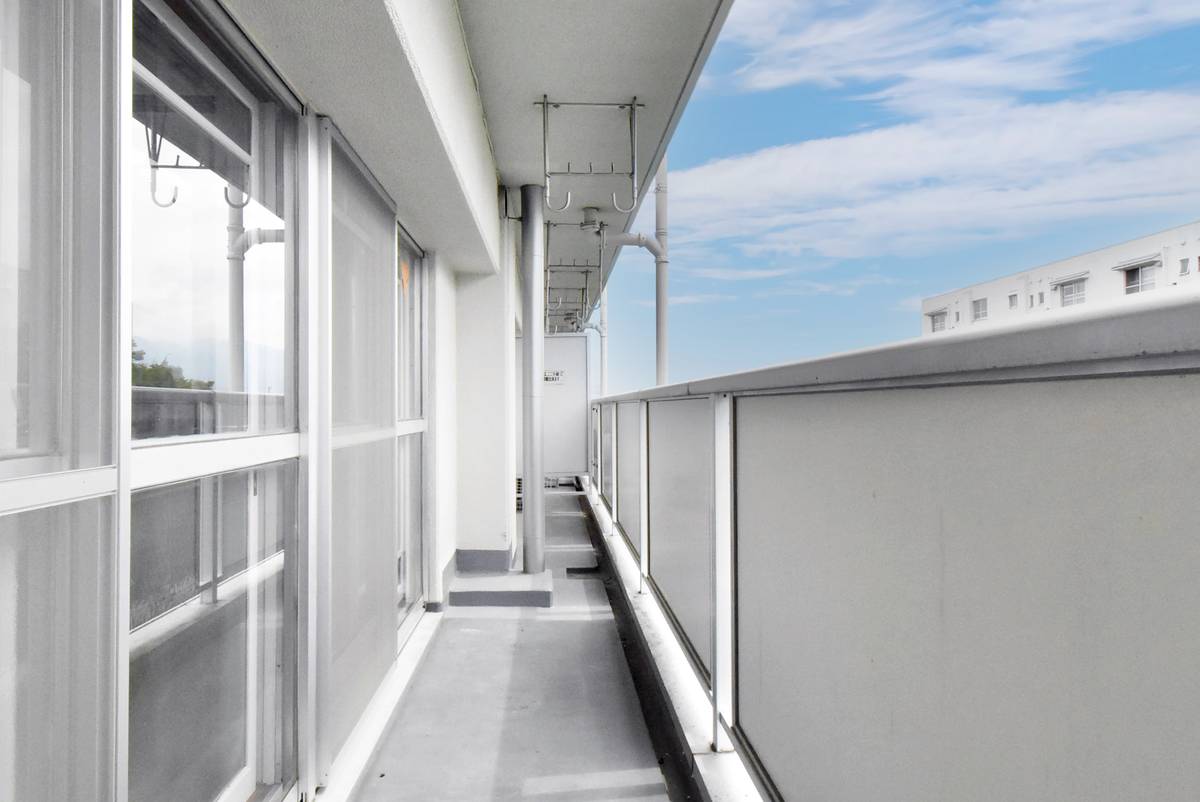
[202,648]
[409,279]
[361,585]
[364,240]
[57,653]
[361,581]
[210,153]
[55,238]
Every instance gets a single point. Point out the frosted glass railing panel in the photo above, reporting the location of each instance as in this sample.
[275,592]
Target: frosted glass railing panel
[972,592]
[681,551]
[607,414]
[629,472]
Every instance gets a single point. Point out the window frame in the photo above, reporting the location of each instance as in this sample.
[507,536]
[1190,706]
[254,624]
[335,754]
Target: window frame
[1140,278]
[979,309]
[1077,289]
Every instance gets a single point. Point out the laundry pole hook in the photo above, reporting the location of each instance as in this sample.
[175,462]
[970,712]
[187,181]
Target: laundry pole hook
[154,190]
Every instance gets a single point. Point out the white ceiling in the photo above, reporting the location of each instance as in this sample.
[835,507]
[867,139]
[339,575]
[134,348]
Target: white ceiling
[584,51]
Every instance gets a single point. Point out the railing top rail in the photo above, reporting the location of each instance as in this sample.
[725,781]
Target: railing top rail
[1152,335]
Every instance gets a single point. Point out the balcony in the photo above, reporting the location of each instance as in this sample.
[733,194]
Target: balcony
[278,346]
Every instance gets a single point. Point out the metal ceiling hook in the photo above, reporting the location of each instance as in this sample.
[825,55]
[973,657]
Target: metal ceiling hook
[546,159]
[633,160]
[154,190]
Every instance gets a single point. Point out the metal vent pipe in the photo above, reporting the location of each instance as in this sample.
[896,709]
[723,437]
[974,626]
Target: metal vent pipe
[533,264]
[657,246]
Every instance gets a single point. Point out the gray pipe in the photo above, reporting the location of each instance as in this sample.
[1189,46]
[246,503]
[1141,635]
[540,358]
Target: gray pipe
[657,246]
[661,264]
[533,265]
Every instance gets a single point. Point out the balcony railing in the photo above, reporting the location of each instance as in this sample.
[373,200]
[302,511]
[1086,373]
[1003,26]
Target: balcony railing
[948,564]
[172,412]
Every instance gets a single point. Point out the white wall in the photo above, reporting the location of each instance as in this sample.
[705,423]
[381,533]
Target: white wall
[443,420]
[1104,285]
[486,408]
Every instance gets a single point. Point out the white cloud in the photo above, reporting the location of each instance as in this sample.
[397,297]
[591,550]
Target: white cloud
[915,187]
[843,288]
[688,300]
[922,55]
[738,273]
[910,304]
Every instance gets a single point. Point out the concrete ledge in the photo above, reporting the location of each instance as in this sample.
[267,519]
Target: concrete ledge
[508,589]
[482,560]
[719,776]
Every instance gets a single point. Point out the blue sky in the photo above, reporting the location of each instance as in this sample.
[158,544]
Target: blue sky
[841,159]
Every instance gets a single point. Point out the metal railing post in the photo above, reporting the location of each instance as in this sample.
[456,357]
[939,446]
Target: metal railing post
[723,572]
[644,480]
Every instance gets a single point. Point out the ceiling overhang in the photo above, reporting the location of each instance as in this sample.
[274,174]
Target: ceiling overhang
[577,52]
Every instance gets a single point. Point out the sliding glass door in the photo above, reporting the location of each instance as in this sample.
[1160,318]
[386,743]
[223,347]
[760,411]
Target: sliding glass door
[209,165]
[58,477]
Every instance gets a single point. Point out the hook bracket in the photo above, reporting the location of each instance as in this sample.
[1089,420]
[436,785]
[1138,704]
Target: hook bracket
[631,110]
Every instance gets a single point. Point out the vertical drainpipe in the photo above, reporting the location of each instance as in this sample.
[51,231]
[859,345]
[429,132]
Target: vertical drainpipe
[533,312]
[661,263]
[604,342]
[235,228]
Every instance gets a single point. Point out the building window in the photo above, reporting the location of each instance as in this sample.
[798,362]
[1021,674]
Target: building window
[409,278]
[210,156]
[1041,298]
[210,617]
[1139,279]
[55,296]
[1012,301]
[1183,267]
[1072,292]
[979,309]
[1031,300]
[937,321]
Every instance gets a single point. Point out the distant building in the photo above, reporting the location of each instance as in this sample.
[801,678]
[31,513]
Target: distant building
[1161,262]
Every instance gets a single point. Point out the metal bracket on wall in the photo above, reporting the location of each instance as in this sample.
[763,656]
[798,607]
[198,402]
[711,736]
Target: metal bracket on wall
[631,109]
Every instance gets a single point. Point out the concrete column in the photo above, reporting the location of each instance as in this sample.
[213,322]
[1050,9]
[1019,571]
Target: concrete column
[661,263]
[533,265]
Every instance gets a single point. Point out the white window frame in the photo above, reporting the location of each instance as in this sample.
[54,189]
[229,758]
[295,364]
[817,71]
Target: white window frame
[937,321]
[1013,300]
[1073,293]
[979,309]
[1140,279]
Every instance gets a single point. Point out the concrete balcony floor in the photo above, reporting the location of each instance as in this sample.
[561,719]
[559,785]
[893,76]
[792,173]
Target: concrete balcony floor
[524,703]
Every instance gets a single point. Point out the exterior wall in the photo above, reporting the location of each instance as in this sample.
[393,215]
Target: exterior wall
[1104,285]
[486,408]
[443,419]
